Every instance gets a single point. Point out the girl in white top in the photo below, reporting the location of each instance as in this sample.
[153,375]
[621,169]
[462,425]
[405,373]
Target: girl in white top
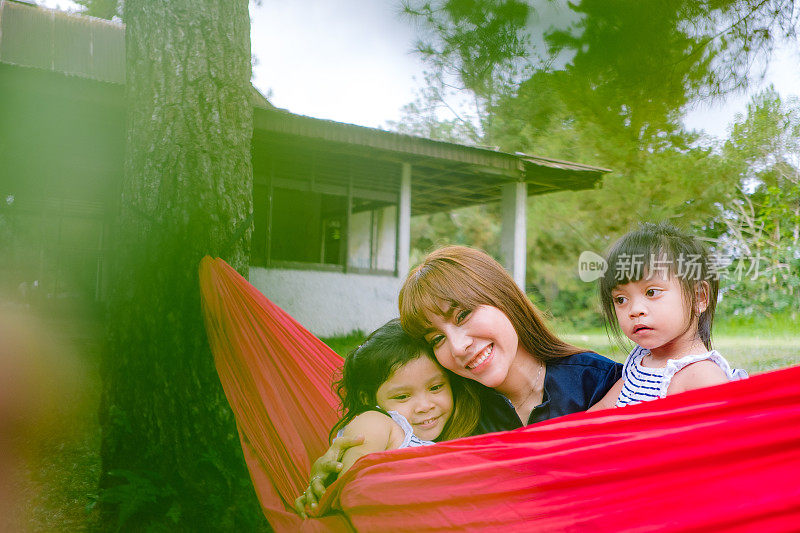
[660,290]
[396,395]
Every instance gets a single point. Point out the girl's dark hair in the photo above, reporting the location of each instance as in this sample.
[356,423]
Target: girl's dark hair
[372,363]
[662,249]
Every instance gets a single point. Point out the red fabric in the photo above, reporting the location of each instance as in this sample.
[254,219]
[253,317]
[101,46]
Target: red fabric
[721,458]
[277,378]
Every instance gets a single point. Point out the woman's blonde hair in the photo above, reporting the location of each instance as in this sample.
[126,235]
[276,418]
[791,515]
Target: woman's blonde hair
[459,276]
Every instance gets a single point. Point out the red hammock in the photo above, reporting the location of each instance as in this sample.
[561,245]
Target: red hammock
[725,457]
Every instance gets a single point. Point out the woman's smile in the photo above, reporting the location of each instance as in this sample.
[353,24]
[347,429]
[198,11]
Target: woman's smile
[481,360]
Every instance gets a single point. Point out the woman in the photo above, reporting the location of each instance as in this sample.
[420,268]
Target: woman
[483,327]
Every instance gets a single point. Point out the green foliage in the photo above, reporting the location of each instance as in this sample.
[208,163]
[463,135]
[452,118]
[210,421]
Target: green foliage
[639,61]
[477,226]
[667,174]
[764,277]
[762,221]
[424,116]
[628,70]
[480,39]
[104,9]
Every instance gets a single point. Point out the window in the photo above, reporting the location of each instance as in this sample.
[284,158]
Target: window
[53,249]
[307,227]
[323,224]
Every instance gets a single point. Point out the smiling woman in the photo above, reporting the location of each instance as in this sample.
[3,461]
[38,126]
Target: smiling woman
[493,340]
[479,344]
[481,326]
[562,474]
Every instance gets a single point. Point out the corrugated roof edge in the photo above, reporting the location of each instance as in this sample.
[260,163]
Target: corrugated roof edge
[59,13]
[358,127]
[558,163]
[61,29]
[485,151]
[349,132]
[257,99]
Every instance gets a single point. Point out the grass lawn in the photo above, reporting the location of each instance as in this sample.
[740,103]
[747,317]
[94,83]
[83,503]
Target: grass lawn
[59,475]
[754,353]
[756,346]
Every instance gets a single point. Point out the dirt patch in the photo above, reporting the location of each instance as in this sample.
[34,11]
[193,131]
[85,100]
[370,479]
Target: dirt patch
[50,388]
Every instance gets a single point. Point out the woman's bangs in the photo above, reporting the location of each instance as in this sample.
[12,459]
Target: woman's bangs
[425,296]
[417,305]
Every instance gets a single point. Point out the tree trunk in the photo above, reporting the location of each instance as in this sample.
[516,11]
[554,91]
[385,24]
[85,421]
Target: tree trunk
[170,450]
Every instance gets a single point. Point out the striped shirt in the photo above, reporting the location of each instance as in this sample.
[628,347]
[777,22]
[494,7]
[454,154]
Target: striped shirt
[643,384]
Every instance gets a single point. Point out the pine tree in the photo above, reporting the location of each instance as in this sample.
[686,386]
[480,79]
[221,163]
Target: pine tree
[170,451]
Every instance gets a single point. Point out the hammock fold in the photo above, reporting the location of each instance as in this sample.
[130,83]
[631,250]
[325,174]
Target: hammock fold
[725,457]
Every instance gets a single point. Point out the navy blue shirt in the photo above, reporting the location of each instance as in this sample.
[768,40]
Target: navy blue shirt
[571,384]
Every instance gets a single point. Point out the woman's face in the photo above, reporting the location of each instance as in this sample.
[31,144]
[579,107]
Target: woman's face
[479,344]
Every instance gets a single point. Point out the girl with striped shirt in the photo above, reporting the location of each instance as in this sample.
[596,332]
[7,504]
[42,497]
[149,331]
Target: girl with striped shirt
[660,290]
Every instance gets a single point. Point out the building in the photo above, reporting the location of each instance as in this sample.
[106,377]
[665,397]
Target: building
[332,201]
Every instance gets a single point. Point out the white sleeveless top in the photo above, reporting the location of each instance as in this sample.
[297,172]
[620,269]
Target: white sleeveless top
[409,439]
[643,384]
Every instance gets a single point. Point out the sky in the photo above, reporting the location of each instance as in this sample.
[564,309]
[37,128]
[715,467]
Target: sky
[352,61]
[349,60]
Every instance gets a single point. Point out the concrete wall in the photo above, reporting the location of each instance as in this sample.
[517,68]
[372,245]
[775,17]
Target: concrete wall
[330,303]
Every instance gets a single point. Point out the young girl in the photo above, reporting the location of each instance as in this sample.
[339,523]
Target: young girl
[660,291]
[396,395]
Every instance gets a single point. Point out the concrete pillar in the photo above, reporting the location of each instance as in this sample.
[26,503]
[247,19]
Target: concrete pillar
[404,222]
[514,238]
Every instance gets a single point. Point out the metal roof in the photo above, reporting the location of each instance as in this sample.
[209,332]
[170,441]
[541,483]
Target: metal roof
[89,47]
[444,175]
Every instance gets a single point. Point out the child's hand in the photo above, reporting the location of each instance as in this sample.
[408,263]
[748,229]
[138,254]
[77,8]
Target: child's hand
[324,472]
[300,506]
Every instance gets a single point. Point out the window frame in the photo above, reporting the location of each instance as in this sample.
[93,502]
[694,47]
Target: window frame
[267,260]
